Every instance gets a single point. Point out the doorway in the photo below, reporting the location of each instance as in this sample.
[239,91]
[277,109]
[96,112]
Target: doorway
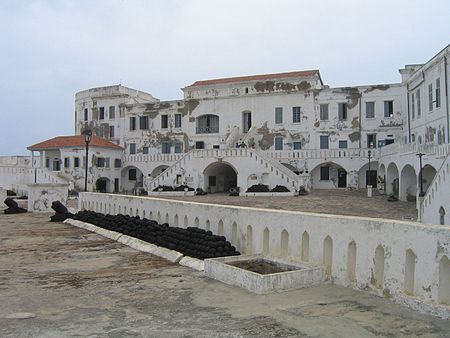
[342,178]
[371,178]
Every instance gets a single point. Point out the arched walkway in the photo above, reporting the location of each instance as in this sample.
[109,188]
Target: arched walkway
[408,184]
[382,175]
[103,184]
[158,170]
[392,183]
[219,177]
[132,179]
[368,176]
[428,173]
[329,175]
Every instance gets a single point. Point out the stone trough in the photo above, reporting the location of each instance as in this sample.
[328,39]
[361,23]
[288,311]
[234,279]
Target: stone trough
[263,274]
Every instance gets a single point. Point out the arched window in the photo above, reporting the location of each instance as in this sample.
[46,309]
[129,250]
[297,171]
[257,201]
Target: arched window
[441,216]
[207,124]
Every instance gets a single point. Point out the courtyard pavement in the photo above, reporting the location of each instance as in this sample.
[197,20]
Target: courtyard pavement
[333,201]
[61,281]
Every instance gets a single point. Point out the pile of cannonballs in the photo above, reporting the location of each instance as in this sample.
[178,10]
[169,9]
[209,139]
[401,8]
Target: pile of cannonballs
[192,241]
[13,207]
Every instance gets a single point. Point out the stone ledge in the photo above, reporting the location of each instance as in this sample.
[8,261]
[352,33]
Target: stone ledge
[193,263]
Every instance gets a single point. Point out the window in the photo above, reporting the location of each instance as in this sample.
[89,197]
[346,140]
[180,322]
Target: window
[178,147]
[165,148]
[207,124]
[342,111]
[145,150]
[132,174]
[388,108]
[102,113]
[278,143]
[296,114]
[212,181]
[323,142]
[199,145]
[430,97]
[418,103]
[343,144]
[246,121]
[297,145]
[132,148]
[86,114]
[438,92]
[164,121]
[143,122]
[100,162]
[47,163]
[66,162]
[413,106]
[112,112]
[324,112]
[106,162]
[370,110]
[111,131]
[76,162]
[117,163]
[246,90]
[278,115]
[325,173]
[177,120]
[371,140]
[132,123]
[413,137]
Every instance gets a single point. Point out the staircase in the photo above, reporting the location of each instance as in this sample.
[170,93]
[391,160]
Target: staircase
[241,158]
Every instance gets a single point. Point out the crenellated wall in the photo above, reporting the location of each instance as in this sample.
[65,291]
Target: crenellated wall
[410,264]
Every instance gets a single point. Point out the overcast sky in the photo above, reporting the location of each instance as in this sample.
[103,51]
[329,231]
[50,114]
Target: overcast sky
[51,49]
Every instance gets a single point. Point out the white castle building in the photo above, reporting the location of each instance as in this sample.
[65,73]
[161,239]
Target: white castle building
[286,129]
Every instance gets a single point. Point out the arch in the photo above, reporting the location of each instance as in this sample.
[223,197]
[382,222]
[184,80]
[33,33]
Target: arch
[143,213]
[329,175]
[408,184]
[150,215]
[158,219]
[175,220]
[351,262]
[185,221]
[158,170]
[166,220]
[410,271]
[196,222]
[368,176]
[266,241]
[220,228]
[120,209]
[441,215]
[392,180]
[328,255]
[249,240]
[444,277]
[234,233]
[378,275]
[219,177]
[103,185]
[428,173]
[284,245]
[132,178]
[305,247]
[208,225]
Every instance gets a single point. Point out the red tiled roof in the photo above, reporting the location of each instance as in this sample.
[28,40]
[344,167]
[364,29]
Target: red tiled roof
[73,141]
[262,77]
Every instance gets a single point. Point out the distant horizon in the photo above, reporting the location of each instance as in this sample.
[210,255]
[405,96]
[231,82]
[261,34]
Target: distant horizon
[54,49]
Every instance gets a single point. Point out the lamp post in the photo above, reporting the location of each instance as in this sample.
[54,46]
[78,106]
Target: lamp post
[422,193]
[369,154]
[87,138]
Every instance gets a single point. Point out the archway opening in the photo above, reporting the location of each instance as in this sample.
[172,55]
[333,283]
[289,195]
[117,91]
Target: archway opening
[249,240]
[158,170]
[428,173]
[103,185]
[351,262]
[305,247]
[132,179]
[175,220]
[220,228]
[378,276]
[368,175]
[219,177]
[329,175]
[408,184]
[441,216]
[328,255]
[392,184]
[266,239]
[410,270]
[284,247]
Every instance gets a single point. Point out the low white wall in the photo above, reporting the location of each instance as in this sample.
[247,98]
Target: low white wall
[2,196]
[41,196]
[279,232]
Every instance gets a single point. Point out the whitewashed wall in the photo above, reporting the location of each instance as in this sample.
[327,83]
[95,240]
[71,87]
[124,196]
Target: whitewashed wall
[244,227]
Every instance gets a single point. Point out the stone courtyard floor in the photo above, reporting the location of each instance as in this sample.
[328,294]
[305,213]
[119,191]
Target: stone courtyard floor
[335,201]
[66,282]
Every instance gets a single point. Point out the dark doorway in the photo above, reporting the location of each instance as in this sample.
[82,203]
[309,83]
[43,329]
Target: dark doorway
[342,178]
[116,185]
[101,185]
[371,178]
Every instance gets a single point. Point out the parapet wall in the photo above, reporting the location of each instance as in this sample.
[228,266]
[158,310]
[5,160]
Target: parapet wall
[407,261]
